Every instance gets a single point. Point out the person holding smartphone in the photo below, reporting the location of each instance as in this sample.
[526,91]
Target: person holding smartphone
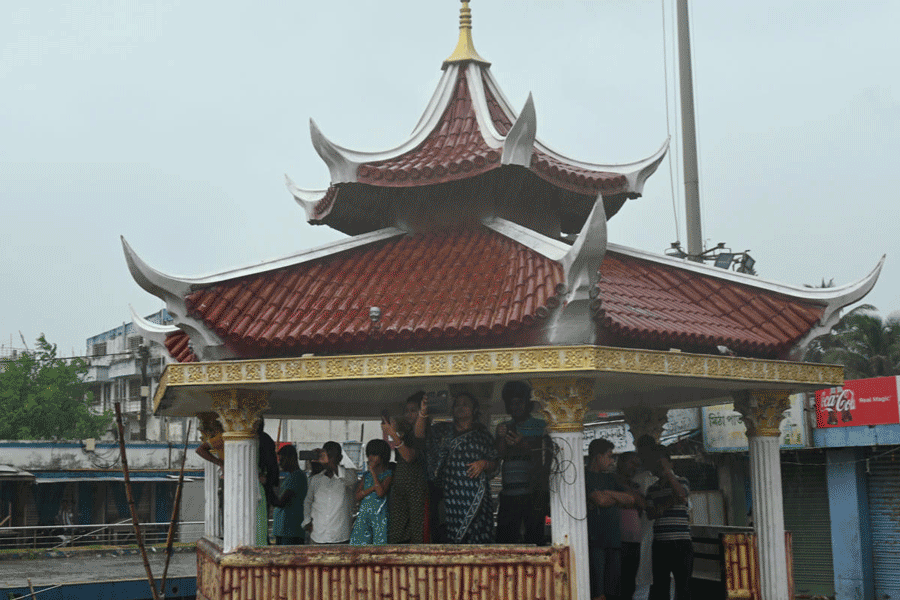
[408,501]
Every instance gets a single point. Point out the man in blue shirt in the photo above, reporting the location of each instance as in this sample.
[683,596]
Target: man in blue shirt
[288,501]
[524,499]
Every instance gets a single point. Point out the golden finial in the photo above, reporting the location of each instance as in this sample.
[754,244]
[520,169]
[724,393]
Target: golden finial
[465,47]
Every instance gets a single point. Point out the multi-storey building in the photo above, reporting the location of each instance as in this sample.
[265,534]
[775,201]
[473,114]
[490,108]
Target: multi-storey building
[125,364]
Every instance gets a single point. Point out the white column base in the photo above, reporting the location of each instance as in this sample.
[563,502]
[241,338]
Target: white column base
[568,506]
[241,488]
[768,516]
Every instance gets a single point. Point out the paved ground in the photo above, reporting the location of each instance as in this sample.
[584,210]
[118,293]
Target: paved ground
[92,568]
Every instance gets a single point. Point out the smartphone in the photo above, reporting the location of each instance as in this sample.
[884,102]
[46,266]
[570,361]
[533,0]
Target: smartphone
[438,402]
[307,455]
[386,416]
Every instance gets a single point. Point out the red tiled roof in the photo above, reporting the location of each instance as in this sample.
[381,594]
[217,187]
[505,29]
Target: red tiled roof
[455,149]
[557,172]
[444,289]
[647,301]
[476,287]
[178,345]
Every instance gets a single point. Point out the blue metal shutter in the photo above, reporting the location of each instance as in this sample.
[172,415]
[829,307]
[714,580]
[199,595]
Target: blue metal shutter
[884,515]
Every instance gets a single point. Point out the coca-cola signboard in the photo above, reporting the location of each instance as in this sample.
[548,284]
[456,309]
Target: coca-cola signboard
[859,402]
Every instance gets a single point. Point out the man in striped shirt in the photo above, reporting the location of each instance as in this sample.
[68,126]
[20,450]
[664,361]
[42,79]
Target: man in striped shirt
[667,506]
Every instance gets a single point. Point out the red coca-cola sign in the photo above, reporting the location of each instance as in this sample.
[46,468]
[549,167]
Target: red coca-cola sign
[859,402]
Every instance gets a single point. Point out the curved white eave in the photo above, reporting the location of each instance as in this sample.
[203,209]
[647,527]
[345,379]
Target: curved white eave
[832,298]
[518,146]
[489,133]
[343,162]
[636,172]
[173,290]
[168,288]
[307,199]
[581,263]
[150,330]
[185,285]
[543,245]
[851,293]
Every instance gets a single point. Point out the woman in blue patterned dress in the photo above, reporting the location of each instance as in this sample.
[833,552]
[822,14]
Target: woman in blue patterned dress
[371,492]
[461,457]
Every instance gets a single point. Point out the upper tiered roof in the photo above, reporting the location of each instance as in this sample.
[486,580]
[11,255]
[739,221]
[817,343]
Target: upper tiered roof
[468,129]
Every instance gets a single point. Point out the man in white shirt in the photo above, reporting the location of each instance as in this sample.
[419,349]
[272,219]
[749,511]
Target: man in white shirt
[329,502]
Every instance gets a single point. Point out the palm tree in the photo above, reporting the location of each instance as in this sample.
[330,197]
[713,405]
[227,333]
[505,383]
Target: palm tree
[866,344]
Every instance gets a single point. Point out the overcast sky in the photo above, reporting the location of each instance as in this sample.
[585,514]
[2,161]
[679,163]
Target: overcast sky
[173,123]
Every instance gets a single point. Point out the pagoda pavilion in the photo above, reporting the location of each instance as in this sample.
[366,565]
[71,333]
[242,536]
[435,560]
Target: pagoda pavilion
[475,255]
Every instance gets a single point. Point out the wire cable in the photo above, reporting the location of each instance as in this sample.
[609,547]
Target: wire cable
[662,4]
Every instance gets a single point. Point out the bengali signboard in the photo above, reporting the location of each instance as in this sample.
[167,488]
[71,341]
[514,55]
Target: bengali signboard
[859,402]
[724,431]
[616,432]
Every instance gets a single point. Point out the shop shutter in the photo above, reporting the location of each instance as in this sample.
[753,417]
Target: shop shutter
[806,514]
[884,515]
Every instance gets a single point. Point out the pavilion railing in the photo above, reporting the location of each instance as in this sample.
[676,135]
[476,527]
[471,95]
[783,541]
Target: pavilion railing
[109,534]
[409,572]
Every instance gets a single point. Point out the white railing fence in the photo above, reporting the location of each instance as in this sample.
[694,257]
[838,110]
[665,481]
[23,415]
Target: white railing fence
[108,534]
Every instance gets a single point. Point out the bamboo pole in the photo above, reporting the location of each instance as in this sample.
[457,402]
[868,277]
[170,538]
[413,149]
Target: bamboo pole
[31,588]
[176,509]
[134,517]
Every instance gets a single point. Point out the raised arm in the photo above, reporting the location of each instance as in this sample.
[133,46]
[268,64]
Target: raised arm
[204,451]
[307,505]
[362,492]
[382,487]
[397,442]
[421,420]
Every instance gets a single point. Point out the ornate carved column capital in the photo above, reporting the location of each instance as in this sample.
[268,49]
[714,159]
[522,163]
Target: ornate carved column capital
[564,401]
[762,410]
[210,426]
[239,410]
[646,420]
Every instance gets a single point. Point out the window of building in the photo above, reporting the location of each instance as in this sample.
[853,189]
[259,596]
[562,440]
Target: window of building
[134,342]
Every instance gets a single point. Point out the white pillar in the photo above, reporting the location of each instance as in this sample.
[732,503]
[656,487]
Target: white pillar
[210,427]
[763,412]
[241,490]
[240,411]
[568,505]
[564,402]
[768,516]
[212,515]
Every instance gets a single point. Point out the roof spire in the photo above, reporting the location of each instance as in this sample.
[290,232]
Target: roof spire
[465,47]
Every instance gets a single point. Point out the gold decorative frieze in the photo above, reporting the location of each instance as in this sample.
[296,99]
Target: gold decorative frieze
[563,400]
[762,410]
[539,361]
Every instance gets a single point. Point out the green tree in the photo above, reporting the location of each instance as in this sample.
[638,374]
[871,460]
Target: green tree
[43,397]
[866,344]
